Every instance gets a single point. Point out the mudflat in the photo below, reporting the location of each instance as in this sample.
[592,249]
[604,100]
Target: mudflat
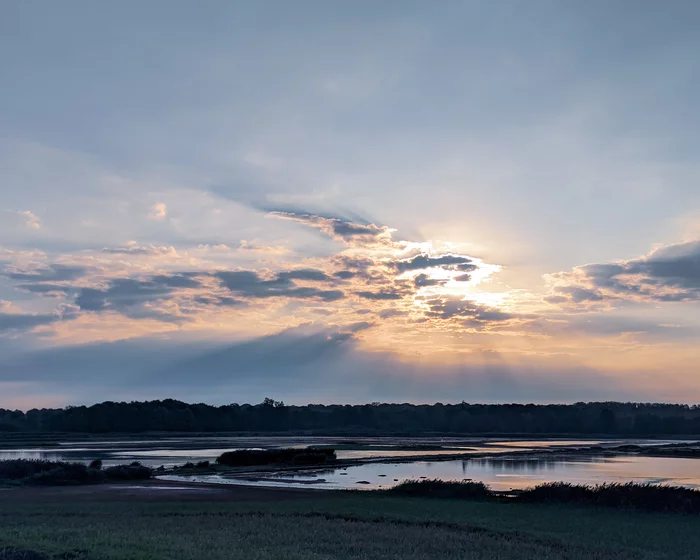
[156,491]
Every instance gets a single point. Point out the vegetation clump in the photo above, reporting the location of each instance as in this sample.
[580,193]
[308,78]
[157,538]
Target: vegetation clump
[649,497]
[646,497]
[59,472]
[285,456]
[467,490]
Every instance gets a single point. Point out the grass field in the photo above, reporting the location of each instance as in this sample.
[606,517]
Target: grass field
[323,525]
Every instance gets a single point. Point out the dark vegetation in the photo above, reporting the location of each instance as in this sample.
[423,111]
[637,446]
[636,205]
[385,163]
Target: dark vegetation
[466,490]
[23,554]
[644,497]
[271,416]
[259,524]
[259,457]
[54,472]
[198,465]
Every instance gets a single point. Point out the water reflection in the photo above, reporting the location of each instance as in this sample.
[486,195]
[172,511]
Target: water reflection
[500,474]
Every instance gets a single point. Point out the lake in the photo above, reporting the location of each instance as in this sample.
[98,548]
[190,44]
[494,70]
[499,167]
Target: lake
[499,471]
[500,474]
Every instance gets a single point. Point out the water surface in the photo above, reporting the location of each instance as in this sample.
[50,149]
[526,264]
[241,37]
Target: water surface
[499,474]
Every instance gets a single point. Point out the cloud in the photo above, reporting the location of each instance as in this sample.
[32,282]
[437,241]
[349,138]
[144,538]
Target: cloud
[123,293]
[350,233]
[158,211]
[31,220]
[448,262]
[247,283]
[25,321]
[224,301]
[383,295]
[423,281]
[11,323]
[134,248]
[449,307]
[309,274]
[262,248]
[50,273]
[303,364]
[46,289]
[669,273]
[389,313]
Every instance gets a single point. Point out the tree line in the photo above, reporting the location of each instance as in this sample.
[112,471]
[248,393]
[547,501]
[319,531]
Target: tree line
[640,419]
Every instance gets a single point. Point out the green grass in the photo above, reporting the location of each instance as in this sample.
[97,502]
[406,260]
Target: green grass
[352,526]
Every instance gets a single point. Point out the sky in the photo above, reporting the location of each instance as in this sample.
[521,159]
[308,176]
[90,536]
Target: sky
[337,201]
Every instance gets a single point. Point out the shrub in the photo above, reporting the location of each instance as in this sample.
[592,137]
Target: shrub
[58,472]
[188,465]
[203,465]
[260,457]
[649,497]
[465,490]
[66,473]
[128,472]
[95,464]
[17,469]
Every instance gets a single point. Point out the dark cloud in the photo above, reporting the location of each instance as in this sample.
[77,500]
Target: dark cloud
[122,293]
[133,298]
[351,233]
[45,289]
[575,294]
[449,307]
[386,295]
[51,273]
[670,273]
[423,280]
[175,281]
[451,262]
[11,322]
[388,313]
[309,274]
[220,301]
[248,284]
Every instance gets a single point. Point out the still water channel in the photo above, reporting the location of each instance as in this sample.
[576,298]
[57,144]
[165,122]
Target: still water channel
[500,471]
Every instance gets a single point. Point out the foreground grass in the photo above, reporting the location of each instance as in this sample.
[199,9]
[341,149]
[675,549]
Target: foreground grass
[349,526]
[630,496]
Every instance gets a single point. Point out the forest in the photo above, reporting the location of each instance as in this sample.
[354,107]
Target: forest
[270,416]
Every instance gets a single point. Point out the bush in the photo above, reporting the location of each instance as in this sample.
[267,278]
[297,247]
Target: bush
[649,497]
[188,465]
[203,465]
[67,473]
[465,490]
[95,464]
[128,472]
[260,457]
[17,469]
[58,472]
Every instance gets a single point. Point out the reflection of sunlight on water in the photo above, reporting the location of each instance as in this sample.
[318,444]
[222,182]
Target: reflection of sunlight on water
[30,455]
[498,474]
